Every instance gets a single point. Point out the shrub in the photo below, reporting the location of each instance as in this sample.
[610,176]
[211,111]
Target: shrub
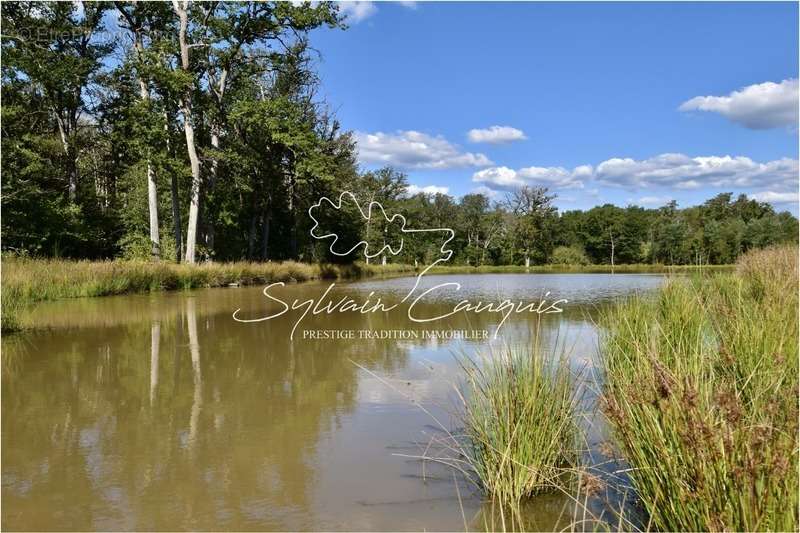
[569,255]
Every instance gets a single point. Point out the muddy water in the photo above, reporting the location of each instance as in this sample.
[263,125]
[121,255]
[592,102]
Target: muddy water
[161,412]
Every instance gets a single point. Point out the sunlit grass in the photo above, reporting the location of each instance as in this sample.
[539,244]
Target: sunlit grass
[519,417]
[11,306]
[702,388]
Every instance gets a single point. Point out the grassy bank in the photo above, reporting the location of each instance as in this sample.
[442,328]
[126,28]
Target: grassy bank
[702,388]
[27,281]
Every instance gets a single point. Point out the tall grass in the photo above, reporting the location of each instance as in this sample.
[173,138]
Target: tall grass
[519,417]
[11,306]
[702,391]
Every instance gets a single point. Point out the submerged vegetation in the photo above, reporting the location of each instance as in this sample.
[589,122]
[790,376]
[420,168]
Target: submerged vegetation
[702,388]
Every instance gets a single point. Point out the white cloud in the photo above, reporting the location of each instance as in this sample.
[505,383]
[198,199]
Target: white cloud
[409,5]
[684,172]
[413,149]
[553,177]
[411,190]
[583,171]
[496,135]
[653,200]
[760,106]
[486,191]
[356,11]
[666,173]
[776,197]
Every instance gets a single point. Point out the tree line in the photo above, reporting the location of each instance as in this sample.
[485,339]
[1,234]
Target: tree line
[193,131]
[523,227]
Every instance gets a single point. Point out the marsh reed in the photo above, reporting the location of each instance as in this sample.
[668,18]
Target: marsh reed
[519,417]
[702,392]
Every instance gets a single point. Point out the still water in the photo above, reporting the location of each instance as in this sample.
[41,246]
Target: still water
[161,412]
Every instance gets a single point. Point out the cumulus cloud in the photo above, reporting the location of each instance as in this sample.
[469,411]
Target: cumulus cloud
[776,180]
[553,177]
[760,106]
[496,135]
[356,11]
[653,200]
[411,190]
[486,191]
[684,172]
[413,149]
[776,197]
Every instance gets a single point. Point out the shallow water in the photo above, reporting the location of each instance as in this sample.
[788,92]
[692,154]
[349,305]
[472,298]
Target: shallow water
[160,411]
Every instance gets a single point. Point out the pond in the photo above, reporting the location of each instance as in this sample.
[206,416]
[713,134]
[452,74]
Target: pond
[162,412]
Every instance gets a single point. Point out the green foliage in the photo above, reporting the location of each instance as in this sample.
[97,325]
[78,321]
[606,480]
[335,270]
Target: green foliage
[569,255]
[81,130]
[136,246]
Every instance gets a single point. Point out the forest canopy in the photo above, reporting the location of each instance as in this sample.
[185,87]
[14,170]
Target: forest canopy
[195,131]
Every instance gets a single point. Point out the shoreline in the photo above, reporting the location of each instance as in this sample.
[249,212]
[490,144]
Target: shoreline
[27,281]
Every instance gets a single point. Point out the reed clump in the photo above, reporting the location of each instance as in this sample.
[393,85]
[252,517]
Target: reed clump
[519,417]
[701,389]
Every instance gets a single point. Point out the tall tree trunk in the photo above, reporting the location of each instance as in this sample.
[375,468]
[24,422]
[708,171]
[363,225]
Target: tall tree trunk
[152,202]
[152,192]
[72,168]
[218,90]
[176,206]
[612,251]
[194,193]
[182,10]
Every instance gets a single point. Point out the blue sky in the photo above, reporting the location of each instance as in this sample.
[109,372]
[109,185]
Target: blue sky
[599,102]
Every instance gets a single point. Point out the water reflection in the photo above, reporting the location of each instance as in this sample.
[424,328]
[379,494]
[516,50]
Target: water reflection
[156,412]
